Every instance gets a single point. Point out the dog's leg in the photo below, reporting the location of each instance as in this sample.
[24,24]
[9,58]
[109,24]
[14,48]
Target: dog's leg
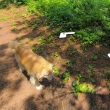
[34,81]
[21,68]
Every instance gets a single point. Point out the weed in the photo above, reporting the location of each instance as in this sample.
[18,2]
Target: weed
[99,108]
[4,18]
[94,57]
[71,43]
[93,80]
[56,71]
[13,23]
[24,15]
[90,75]
[80,78]
[90,20]
[40,49]
[33,48]
[84,48]
[84,87]
[33,24]
[69,63]
[108,72]
[50,38]
[66,76]
[55,55]
[108,77]
[77,15]
[42,40]
[78,70]
[15,29]
[60,48]
[4,3]
[90,66]
[73,52]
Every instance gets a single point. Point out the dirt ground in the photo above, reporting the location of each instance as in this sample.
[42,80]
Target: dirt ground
[16,92]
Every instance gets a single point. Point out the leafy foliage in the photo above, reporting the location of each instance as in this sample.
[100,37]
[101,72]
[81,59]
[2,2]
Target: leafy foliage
[64,77]
[84,87]
[4,3]
[89,19]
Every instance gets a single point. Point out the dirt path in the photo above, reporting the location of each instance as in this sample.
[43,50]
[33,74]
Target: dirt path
[14,87]
[16,93]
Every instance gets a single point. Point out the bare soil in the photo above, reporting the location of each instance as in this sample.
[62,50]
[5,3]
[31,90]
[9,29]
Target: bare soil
[16,92]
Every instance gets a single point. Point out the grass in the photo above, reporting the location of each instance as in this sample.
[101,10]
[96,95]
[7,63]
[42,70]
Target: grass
[49,39]
[55,55]
[80,78]
[84,87]
[90,20]
[78,17]
[90,66]
[63,76]
[69,63]
[94,57]
[74,52]
[4,18]
[5,3]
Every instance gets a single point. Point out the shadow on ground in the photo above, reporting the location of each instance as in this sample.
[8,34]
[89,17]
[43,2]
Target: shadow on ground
[57,94]
[94,61]
[55,98]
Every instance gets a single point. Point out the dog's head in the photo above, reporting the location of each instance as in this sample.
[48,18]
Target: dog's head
[48,73]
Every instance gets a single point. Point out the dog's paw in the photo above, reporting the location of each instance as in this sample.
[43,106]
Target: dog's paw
[20,70]
[39,87]
[32,80]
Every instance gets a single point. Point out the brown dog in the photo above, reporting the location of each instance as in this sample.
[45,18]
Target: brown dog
[36,66]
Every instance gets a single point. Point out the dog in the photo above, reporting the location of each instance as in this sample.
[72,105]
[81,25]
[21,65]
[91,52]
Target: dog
[36,66]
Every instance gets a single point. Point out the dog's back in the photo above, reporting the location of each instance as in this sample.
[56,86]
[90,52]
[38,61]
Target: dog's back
[32,62]
[13,44]
[36,66]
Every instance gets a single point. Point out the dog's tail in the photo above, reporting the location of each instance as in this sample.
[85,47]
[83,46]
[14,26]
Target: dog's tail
[13,44]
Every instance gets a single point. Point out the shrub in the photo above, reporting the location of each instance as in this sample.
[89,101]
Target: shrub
[82,88]
[4,3]
[89,19]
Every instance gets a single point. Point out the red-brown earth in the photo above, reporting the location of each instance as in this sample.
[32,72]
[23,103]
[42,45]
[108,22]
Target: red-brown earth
[16,92]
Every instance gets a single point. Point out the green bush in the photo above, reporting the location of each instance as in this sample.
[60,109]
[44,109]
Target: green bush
[19,2]
[4,3]
[82,88]
[89,19]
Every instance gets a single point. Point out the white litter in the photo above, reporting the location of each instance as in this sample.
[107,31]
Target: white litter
[108,54]
[64,34]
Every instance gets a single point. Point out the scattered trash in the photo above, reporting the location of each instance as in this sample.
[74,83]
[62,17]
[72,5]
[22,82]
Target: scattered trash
[64,34]
[108,54]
